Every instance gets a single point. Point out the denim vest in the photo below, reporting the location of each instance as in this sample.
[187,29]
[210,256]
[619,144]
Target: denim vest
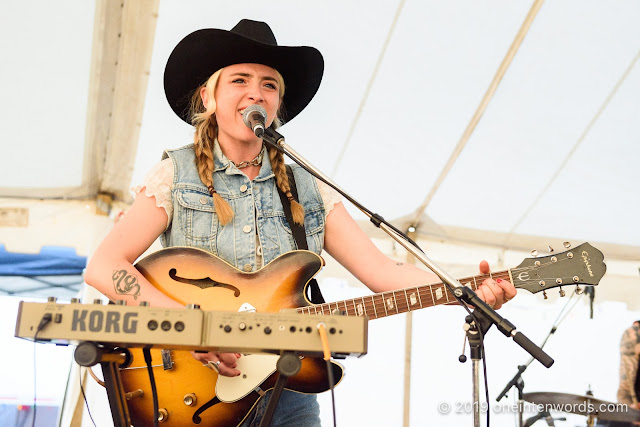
[256,201]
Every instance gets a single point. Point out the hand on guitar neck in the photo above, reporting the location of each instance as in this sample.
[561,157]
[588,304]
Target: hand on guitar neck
[494,292]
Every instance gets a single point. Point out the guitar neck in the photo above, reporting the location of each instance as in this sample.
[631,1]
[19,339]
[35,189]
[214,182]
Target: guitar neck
[399,301]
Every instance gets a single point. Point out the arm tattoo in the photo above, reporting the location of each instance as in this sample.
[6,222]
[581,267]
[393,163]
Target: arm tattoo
[399,264]
[125,283]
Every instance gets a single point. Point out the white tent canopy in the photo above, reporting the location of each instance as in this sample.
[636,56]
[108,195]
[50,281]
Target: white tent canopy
[493,127]
[553,155]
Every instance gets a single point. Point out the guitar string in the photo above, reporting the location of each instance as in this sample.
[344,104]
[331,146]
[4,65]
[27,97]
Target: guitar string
[371,307]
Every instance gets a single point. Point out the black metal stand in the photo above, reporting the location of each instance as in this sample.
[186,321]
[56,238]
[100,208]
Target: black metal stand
[273,138]
[288,365]
[518,383]
[110,359]
[475,333]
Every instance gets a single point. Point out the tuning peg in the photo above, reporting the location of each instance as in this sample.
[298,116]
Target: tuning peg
[551,250]
[579,290]
[545,294]
[566,245]
[534,252]
[562,292]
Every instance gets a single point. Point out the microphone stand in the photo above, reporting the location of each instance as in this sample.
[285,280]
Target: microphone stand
[517,380]
[273,138]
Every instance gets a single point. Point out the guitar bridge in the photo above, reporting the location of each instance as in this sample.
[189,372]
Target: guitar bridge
[167,361]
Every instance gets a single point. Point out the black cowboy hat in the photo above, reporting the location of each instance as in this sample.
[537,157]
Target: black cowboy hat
[203,52]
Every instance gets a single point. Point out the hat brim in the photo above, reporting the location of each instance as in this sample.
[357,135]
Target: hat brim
[203,52]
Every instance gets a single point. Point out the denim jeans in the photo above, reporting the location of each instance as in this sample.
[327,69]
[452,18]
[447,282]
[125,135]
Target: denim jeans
[293,410]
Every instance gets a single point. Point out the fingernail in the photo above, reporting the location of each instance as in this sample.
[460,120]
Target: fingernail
[498,280]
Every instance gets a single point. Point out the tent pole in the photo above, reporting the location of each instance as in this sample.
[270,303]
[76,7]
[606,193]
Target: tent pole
[506,62]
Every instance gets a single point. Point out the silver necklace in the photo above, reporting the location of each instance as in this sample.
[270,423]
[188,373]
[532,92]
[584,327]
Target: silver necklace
[255,162]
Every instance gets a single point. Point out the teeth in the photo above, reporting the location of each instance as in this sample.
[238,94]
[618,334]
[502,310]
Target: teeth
[242,111]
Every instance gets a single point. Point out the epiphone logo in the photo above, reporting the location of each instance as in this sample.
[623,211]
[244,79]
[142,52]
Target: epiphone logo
[110,321]
[585,259]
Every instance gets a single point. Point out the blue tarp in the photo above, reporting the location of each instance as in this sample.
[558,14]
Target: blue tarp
[51,261]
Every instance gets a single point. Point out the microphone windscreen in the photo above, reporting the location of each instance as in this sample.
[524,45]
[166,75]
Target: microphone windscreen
[254,108]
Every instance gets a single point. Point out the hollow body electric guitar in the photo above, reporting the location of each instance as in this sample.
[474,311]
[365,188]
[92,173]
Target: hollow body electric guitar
[190,394]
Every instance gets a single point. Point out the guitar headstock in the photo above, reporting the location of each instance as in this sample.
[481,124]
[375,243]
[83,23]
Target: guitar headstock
[582,265]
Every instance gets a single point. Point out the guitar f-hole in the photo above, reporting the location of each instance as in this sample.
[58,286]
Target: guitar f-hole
[203,283]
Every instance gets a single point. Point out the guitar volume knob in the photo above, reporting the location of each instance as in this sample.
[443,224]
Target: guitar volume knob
[190,399]
[163,415]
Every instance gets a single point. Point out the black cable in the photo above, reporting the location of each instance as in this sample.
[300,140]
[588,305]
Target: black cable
[43,322]
[271,137]
[84,396]
[484,362]
[331,387]
[154,392]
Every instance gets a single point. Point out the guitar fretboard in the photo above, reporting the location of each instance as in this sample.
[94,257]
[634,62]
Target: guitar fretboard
[398,301]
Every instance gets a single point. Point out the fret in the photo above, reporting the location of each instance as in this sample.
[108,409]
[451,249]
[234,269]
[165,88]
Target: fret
[419,299]
[439,295]
[395,301]
[355,310]
[373,302]
[406,298]
[475,283]
[433,299]
[364,306]
[446,293]
[384,304]
[346,310]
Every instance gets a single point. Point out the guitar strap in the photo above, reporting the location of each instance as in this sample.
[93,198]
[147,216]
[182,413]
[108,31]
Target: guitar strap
[313,291]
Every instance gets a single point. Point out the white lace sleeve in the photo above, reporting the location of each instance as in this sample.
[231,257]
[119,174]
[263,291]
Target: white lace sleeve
[329,196]
[157,183]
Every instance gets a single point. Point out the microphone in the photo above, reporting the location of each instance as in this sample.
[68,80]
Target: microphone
[254,117]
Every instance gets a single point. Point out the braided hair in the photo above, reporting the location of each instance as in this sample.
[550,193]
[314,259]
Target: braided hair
[206,131]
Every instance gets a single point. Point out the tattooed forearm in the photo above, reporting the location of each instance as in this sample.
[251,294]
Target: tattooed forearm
[399,264]
[125,283]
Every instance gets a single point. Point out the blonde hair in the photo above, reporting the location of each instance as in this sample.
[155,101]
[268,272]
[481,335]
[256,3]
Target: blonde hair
[206,131]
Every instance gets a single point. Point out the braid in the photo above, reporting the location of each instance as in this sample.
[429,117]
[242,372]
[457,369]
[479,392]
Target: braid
[206,131]
[282,181]
[203,139]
